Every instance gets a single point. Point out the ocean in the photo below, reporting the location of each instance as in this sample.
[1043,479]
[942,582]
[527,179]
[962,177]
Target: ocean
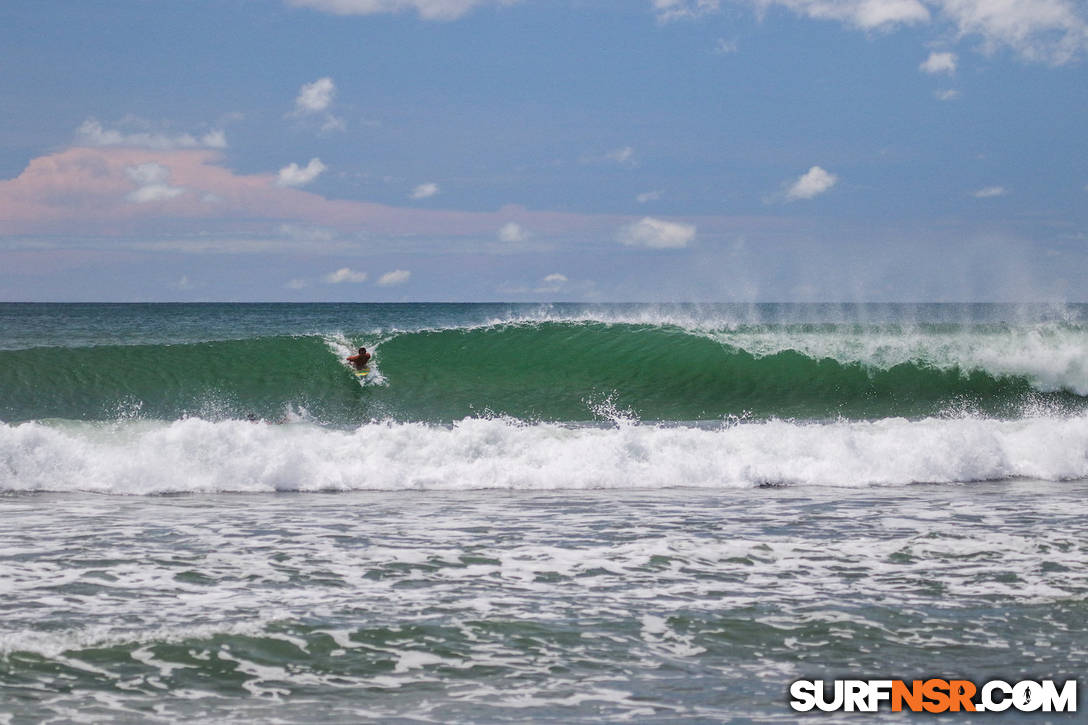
[560,513]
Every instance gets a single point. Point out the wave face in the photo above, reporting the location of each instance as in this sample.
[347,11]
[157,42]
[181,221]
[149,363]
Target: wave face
[556,370]
[148,400]
[558,367]
[219,379]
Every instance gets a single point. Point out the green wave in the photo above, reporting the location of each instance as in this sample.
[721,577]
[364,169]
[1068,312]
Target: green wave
[210,379]
[563,371]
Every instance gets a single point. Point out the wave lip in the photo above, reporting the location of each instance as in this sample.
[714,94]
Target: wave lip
[194,455]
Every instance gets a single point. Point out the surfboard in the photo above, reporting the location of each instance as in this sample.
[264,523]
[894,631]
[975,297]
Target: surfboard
[360,374]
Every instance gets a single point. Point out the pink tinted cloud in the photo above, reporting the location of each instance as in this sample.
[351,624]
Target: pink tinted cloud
[92,191]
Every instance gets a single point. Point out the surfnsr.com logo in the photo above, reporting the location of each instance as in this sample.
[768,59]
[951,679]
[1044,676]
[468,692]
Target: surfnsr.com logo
[934,695]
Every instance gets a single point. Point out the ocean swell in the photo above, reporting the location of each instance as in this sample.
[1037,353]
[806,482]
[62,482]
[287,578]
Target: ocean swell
[554,370]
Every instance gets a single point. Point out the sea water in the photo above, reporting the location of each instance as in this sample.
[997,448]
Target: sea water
[565,513]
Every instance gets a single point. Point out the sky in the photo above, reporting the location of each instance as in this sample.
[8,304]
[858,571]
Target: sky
[544,150]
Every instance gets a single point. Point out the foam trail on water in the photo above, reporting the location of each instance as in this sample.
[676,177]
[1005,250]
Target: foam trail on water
[191,455]
[342,348]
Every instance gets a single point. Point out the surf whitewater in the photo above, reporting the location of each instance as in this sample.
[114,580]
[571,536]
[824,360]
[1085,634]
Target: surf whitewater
[157,398]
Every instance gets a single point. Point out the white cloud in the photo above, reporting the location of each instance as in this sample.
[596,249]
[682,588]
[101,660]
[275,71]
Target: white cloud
[296,284]
[1050,31]
[989,192]
[308,234]
[147,174]
[293,175]
[424,191]
[151,178]
[344,274]
[939,63]
[725,47]
[427,9]
[625,155]
[812,183]
[551,283]
[154,192]
[668,10]
[864,14]
[648,196]
[656,234]
[93,133]
[333,123]
[397,276]
[950,94]
[315,97]
[513,232]
[214,139]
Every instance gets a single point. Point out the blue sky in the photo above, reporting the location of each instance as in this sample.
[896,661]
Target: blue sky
[656,150]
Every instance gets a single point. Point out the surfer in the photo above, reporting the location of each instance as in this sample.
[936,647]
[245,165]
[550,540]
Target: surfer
[361,359]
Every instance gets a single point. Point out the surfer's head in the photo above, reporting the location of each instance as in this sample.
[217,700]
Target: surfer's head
[362,350]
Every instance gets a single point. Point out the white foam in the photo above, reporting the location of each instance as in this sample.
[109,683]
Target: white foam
[342,348]
[1051,357]
[194,455]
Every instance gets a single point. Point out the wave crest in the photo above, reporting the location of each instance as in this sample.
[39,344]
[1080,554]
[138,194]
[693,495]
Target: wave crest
[548,369]
[194,455]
